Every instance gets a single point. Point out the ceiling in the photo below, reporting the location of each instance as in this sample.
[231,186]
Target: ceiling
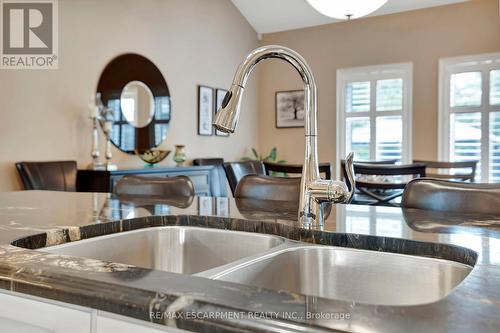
[267,16]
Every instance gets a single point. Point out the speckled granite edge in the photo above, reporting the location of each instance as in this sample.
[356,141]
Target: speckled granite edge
[119,289]
[357,241]
[135,292]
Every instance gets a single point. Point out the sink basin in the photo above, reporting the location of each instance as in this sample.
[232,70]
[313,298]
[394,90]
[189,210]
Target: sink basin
[186,250]
[272,262]
[352,275]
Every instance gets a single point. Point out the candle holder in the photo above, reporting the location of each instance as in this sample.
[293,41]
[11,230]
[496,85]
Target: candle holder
[107,121]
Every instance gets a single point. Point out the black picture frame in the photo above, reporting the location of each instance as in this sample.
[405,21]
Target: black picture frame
[204,124]
[277,111]
[219,97]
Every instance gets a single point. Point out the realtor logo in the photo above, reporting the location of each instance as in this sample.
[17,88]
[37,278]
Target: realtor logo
[29,34]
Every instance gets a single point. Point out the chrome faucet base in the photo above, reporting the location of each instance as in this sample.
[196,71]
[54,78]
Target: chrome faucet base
[314,191]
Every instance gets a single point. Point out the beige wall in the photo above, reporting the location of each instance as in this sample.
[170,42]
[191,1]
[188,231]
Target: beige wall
[421,37]
[43,113]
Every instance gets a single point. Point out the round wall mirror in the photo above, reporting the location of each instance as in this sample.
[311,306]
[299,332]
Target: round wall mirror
[137,93]
[137,104]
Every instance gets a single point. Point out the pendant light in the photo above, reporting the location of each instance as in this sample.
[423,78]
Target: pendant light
[346,9]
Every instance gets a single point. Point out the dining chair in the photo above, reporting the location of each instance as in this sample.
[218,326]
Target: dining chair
[449,196]
[381,184]
[324,168]
[263,187]
[154,187]
[51,176]
[208,161]
[377,162]
[235,171]
[461,171]
[265,194]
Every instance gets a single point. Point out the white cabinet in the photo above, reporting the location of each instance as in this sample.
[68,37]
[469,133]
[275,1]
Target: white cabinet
[107,322]
[22,313]
[27,315]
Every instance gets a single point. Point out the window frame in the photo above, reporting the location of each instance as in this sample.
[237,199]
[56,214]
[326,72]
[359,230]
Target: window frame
[483,63]
[374,74]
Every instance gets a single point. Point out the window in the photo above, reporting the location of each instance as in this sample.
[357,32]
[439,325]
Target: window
[124,134]
[469,113]
[374,112]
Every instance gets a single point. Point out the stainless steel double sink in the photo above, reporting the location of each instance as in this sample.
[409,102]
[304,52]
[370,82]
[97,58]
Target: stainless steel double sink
[277,263]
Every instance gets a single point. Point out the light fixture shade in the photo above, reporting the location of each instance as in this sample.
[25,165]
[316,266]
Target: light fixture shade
[346,9]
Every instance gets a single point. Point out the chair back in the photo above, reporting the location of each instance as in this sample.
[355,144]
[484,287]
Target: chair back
[448,196]
[461,171]
[382,184]
[208,161]
[51,176]
[268,188]
[154,187]
[324,168]
[377,162]
[386,176]
[235,171]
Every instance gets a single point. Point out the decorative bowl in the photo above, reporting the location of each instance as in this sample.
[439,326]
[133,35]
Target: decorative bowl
[152,156]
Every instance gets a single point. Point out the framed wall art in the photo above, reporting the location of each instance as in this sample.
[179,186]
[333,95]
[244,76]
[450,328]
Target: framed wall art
[205,110]
[290,109]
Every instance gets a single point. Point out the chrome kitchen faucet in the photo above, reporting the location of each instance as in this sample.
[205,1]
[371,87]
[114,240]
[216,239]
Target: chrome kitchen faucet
[314,191]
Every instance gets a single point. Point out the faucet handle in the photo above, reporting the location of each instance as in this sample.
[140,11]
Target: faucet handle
[349,173]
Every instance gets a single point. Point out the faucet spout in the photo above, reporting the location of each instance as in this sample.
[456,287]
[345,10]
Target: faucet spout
[314,190]
[227,118]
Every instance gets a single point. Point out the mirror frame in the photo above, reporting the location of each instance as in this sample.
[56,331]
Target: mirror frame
[122,70]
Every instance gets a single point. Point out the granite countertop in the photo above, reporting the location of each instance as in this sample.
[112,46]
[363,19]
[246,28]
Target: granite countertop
[34,219]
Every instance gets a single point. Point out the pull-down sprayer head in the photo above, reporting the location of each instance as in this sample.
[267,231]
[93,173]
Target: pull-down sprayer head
[229,114]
